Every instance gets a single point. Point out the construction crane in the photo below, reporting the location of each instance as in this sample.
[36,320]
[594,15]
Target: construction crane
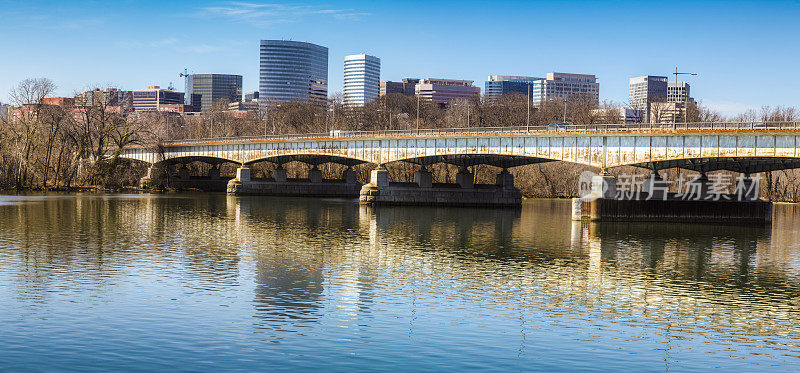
[185,76]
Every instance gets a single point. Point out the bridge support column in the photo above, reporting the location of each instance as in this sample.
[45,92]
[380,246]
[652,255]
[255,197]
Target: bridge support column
[153,178]
[242,174]
[213,173]
[315,175]
[747,188]
[692,206]
[423,178]
[279,174]
[240,182]
[423,192]
[604,186]
[280,185]
[181,172]
[703,187]
[505,180]
[349,176]
[379,177]
[465,179]
[655,187]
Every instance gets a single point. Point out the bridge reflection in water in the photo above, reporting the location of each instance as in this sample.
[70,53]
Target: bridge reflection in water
[523,285]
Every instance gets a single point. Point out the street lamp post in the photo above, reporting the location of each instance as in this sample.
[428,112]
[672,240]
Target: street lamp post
[528,121]
[386,108]
[417,112]
[685,96]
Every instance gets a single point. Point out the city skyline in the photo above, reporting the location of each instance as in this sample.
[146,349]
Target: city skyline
[722,42]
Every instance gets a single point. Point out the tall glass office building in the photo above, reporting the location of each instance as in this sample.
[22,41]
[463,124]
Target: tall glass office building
[362,79]
[293,71]
[212,88]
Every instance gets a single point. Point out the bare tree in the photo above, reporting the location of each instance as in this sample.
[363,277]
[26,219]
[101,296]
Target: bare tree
[26,125]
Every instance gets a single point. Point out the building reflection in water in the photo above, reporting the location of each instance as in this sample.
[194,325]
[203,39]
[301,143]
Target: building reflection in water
[316,259]
[295,264]
[297,244]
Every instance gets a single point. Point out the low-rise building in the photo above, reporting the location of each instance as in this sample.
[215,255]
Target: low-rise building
[406,87]
[251,105]
[619,115]
[565,85]
[59,101]
[158,99]
[250,96]
[108,97]
[679,92]
[498,85]
[667,112]
[442,91]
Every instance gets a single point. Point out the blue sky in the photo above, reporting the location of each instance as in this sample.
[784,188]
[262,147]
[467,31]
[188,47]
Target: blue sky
[746,53]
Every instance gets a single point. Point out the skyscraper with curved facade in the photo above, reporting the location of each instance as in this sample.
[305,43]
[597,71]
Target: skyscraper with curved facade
[293,71]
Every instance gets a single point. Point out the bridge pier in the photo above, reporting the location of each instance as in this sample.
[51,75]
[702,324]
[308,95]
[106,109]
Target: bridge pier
[465,179]
[214,172]
[423,178]
[697,204]
[655,187]
[153,178]
[423,191]
[280,185]
[505,180]
[315,175]
[243,174]
[279,174]
[349,176]
[748,188]
[156,177]
[181,172]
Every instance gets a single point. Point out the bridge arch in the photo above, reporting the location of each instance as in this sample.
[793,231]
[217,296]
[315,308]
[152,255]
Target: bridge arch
[154,159]
[189,159]
[309,158]
[746,165]
[470,159]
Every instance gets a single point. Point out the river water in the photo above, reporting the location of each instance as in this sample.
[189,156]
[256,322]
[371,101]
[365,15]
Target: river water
[199,282]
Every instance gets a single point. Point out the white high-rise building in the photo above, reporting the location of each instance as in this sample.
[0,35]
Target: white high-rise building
[362,79]
[646,89]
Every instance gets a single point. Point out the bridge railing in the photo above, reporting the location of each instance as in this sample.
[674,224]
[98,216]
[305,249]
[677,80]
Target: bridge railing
[517,130]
